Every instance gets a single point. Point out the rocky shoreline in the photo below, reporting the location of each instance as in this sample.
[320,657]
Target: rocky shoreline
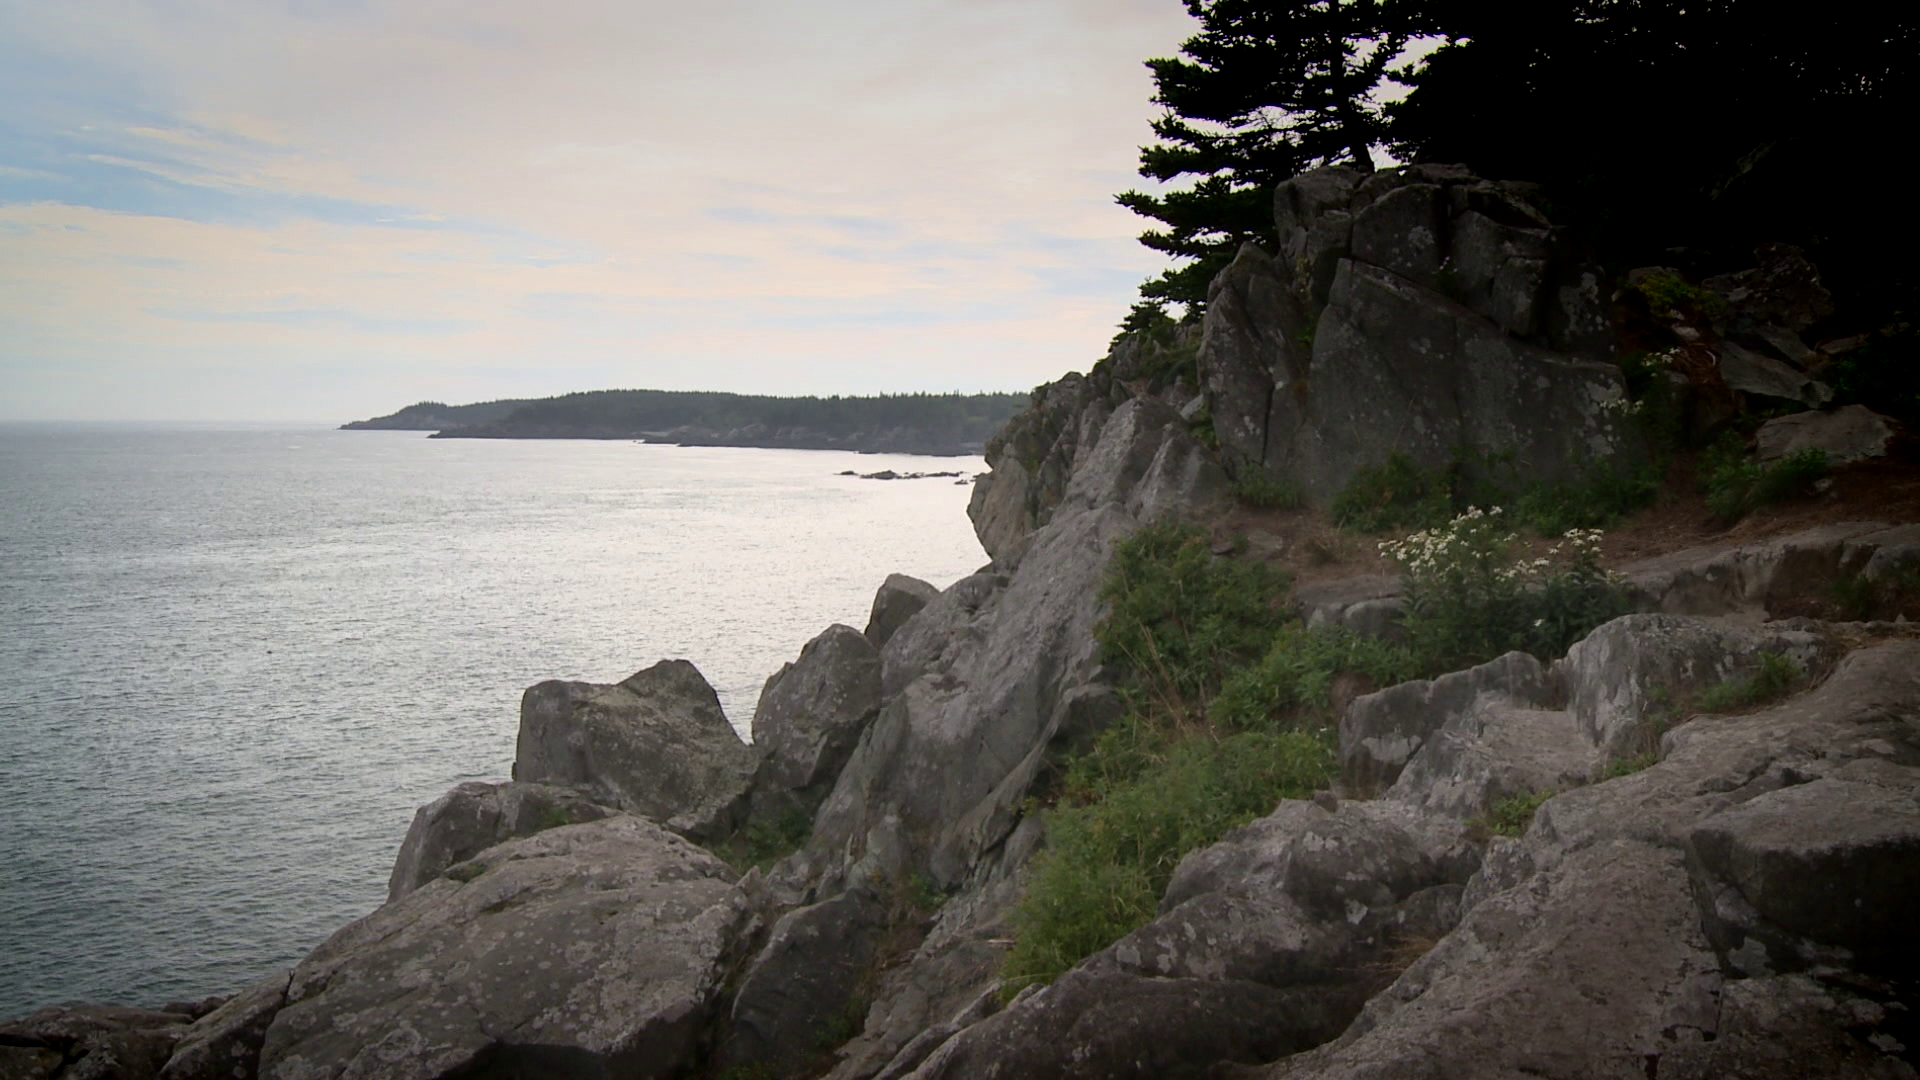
[650,897]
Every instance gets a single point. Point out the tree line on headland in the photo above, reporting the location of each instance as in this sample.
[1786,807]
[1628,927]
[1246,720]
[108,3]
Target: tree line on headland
[898,423]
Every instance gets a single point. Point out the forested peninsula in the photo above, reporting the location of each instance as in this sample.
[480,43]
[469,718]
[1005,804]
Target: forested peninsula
[937,424]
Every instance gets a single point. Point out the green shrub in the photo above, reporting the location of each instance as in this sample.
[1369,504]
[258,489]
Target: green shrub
[1292,681]
[1173,774]
[767,839]
[1670,296]
[1396,494]
[1860,597]
[1468,600]
[1736,486]
[1511,816]
[1627,766]
[1109,860]
[1602,495]
[1773,680]
[1256,488]
[554,818]
[1181,619]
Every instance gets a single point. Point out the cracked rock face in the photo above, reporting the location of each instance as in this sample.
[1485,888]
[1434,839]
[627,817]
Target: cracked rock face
[595,949]
[1418,310]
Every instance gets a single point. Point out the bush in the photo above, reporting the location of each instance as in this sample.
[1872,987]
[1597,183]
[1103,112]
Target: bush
[1294,679]
[1468,600]
[1771,682]
[1736,486]
[1396,494]
[1255,488]
[1181,619]
[1109,860]
[767,839]
[1511,816]
[1599,499]
[1172,774]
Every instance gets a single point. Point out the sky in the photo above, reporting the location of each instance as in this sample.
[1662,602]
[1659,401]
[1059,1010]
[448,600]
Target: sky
[328,209]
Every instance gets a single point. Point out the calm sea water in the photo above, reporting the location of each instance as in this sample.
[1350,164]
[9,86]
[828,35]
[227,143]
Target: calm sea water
[233,662]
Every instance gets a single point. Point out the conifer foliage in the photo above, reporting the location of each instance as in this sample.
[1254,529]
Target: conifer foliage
[1266,89]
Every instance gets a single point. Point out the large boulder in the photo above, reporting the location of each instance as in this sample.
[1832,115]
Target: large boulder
[591,950]
[1591,970]
[1849,434]
[812,712]
[1382,731]
[1422,311]
[225,1043]
[1399,366]
[655,744]
[1125,1027]
[1730,910]
[804,984]
[473,817]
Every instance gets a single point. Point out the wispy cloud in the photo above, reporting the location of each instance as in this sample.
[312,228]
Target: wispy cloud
[456,201]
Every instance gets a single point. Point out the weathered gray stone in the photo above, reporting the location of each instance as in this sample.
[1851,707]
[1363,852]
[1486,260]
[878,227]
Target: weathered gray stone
[473,817]
[1750,372]
[812,712]
[89,1042]
[1404,231]
[225,1043]
[1122,1026]
[1382,731]
[656,744]
[1835,861]
[1792,1027]
[1254,344]
[596,948]
[1399,367]
[1370,605]
[1847,434]
[1590,970]
[900,598]
[1360,857]
[1749,579]
[1492,751]
[1636,666]
[1031,460]
[812,967]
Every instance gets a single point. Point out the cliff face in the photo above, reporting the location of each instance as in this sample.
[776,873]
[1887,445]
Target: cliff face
[1737,907]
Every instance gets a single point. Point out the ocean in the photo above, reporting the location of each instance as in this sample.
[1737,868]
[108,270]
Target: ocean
[234,660]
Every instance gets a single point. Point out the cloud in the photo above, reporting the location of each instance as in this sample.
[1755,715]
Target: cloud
[853,195]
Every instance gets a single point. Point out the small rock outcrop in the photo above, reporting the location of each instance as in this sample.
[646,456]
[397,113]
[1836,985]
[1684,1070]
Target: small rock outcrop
[595,949]
[811,713]
[899,598]
[105,1041]
[475,816]
[655,744]
[1849,434]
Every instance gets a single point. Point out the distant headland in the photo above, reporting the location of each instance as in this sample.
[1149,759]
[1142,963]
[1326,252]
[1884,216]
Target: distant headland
[936,424]
[886,423]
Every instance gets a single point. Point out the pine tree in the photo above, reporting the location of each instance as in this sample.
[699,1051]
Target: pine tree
[1266,89]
